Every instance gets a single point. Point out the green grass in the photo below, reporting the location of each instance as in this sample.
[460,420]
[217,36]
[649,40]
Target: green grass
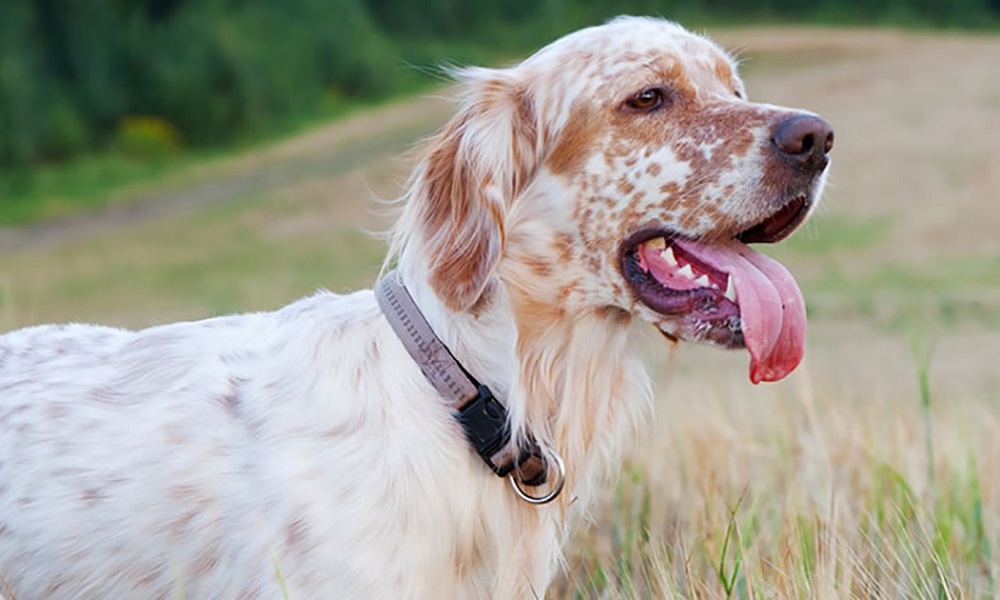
[106,178]
[207,264]
[840,278]
[946,291]
[52,191]
[826,234]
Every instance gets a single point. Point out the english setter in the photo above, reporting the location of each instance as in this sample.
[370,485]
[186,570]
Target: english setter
[612,179]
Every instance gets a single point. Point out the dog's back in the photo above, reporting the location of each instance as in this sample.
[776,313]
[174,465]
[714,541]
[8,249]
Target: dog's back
[199,458]
[124,459]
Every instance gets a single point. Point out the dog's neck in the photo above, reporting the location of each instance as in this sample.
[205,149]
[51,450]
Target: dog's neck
[571,378]
[482,341]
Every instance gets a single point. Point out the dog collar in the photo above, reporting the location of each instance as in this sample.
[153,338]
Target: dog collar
[483,418]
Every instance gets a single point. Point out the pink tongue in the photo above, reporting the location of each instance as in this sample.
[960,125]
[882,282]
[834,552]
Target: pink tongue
[772,312]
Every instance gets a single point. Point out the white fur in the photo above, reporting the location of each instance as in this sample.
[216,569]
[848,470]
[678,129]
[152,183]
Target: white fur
[302,451]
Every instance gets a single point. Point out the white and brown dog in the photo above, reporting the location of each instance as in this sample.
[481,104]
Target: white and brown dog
[612,179]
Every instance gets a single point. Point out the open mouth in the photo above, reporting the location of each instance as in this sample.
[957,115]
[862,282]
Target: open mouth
[725,293]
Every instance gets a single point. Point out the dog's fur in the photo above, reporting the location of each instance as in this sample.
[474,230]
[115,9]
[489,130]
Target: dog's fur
[302,451]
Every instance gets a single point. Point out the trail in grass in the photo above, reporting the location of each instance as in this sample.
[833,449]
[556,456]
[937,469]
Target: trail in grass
[329,150]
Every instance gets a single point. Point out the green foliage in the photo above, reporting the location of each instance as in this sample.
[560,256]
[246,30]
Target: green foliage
[219,70]
[216,70]
[146,137]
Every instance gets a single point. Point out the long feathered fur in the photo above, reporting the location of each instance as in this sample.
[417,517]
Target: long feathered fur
[301,453]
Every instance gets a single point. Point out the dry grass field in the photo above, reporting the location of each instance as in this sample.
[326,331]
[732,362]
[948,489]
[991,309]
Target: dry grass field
[874,471]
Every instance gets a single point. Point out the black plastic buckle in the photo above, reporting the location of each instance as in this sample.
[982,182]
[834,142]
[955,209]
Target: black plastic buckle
[485,423]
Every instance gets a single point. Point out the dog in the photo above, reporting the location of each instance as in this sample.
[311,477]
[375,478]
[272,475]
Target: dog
[609,182]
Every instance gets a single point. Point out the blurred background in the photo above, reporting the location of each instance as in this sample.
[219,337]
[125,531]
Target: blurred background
[142,80]
[177,159]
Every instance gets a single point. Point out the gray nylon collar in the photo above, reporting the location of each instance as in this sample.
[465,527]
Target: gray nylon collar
[483,418]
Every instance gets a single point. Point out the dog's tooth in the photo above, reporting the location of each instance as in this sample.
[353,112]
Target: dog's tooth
[658,243]
[686,271]
[702,281]
[668,256]
[730,289]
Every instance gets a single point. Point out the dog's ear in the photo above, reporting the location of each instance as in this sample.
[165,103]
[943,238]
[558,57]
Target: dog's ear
[472,172]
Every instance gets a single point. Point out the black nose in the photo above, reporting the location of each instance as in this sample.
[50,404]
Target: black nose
[804,141]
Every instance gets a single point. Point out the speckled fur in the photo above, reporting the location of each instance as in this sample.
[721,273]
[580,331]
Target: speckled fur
[197,460]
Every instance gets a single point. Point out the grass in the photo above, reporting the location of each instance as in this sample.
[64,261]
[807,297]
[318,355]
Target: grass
[838,277]
[834,498]
[827,234]
[205,264]
[110,177]
[48,192]
[895,295]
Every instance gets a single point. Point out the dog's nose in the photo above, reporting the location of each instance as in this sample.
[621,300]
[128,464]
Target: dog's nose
[804,141]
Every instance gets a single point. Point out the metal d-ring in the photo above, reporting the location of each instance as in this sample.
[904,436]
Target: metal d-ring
[552,494]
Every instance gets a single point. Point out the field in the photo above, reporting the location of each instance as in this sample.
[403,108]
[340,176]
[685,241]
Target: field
[874,471]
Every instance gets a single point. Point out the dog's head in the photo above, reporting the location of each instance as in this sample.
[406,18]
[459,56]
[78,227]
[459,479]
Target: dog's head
[622,166]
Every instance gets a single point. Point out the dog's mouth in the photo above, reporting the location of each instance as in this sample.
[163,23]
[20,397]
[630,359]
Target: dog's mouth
[724,292]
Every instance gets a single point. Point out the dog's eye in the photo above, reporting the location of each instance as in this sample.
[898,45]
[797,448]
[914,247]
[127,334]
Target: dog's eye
[739,94]
[647,100]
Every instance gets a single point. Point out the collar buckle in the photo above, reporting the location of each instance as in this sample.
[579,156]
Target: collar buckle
[484,420]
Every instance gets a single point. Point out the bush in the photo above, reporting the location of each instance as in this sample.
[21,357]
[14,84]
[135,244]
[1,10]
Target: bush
[71,74]
[146,137]
[64,132]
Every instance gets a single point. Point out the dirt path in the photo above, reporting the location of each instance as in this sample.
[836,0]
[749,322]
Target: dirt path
[326,151]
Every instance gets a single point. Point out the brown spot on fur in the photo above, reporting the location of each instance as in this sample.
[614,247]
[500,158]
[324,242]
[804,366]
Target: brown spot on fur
[723,70]
[232,401]
[670,189]
[295,535]
[150,577]
[564,247]
[373,354]
[53,588]
[207,562]
[540,267]
[181,527]
[625,187]
[337,431]
[575,143]
[184,492]
[524,141]
[92,496]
